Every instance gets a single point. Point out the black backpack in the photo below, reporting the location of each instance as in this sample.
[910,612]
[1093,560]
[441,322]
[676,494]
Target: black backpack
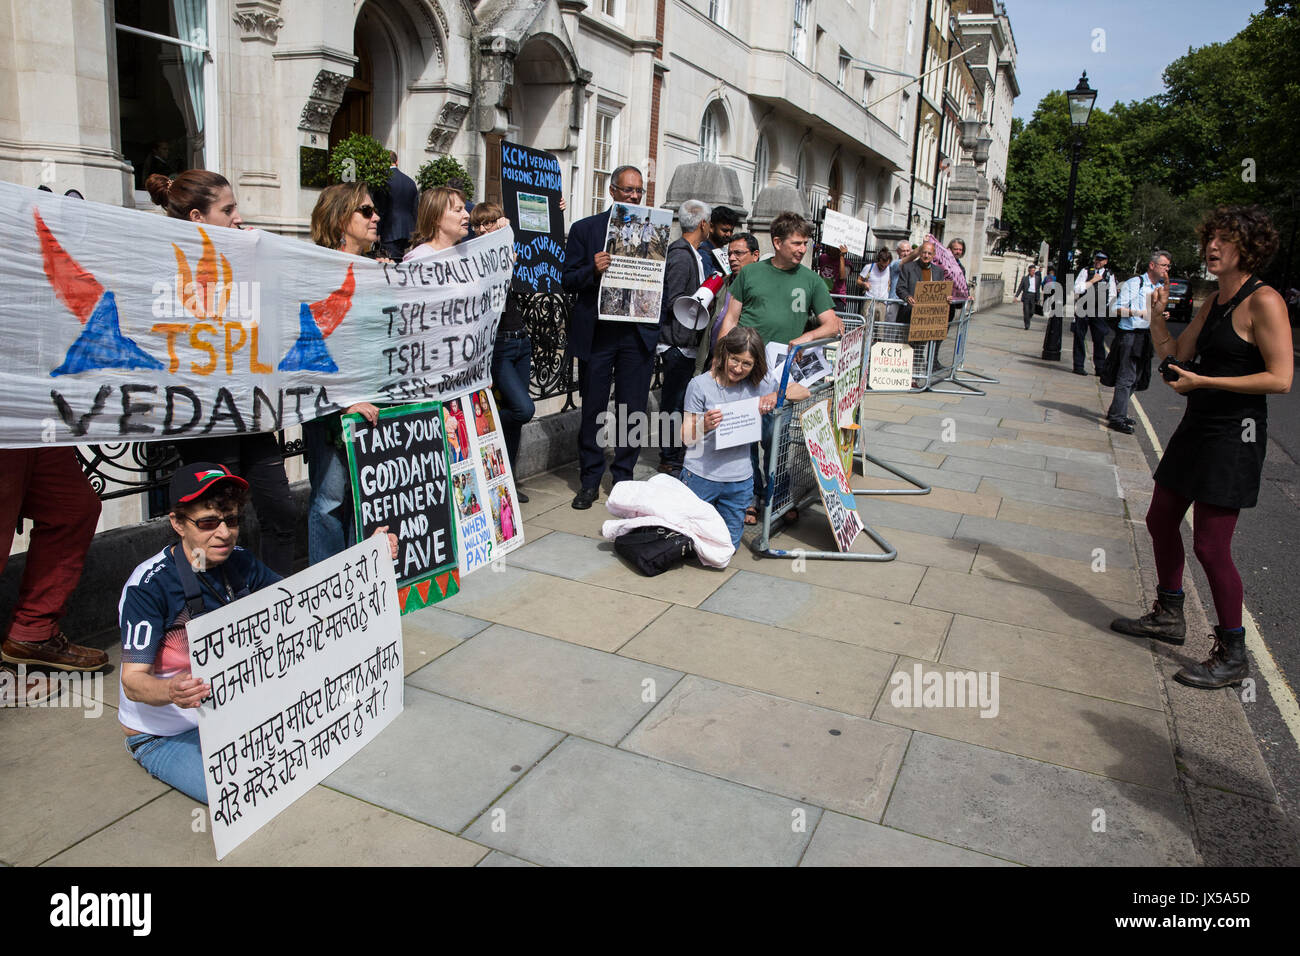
[653,549]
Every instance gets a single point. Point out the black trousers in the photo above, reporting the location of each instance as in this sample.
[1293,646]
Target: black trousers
[619,358]
[679,369]
[1083,326]
[258,460]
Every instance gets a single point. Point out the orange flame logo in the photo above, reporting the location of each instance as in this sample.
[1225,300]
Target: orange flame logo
[203,296]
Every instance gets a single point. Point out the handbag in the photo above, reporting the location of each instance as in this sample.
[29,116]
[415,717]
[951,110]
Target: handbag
[653,549]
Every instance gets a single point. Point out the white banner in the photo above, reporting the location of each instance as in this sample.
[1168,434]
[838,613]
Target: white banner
[304,673]
[121,325]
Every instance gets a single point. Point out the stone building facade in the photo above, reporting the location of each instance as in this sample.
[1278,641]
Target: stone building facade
[800,103]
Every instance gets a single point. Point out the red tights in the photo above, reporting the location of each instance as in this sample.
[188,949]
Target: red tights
[1211,542]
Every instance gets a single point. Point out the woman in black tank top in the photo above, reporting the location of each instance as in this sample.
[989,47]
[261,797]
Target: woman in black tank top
[1236,352]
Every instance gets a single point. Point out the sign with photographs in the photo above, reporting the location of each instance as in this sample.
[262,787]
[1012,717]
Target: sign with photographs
[841,509]
[632,288]
[482,485]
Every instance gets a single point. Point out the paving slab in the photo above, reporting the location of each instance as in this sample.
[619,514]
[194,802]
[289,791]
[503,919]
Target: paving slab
[554,683]
[432,632]
[1054,497]
[1099,454]
[932,475]
[992,469]
[1083,732]
[893,580]
[590,805]
[564,517]
[49,804]
[466,756]
[889,626]
[902,457]
[556,607]
[580,558]
[1054,610]
[497,858]
[1073,545]
[1115,584]
[1062,519]
[780,746]
[845,841]
[322,828]
[930,550]
[1237,830]
[1002,456]
[882,443]
[898,512]
[1035,813]
[1105,486]
[815,670]
[1100,666]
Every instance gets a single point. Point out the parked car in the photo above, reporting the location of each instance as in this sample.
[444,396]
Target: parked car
[1180,301]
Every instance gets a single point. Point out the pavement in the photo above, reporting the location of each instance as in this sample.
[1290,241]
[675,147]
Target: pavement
[567,711]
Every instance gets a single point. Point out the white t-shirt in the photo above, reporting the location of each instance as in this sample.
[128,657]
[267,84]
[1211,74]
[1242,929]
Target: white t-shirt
[877,281]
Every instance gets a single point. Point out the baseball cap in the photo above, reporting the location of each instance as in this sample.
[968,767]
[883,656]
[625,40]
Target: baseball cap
[193,480]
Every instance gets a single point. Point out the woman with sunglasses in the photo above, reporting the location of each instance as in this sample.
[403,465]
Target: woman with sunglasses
[205,198]
[344,219]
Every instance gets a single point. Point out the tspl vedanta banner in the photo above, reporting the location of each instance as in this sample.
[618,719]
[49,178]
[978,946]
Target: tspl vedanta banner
[119,325]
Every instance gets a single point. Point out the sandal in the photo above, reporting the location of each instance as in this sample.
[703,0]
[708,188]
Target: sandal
[751,515]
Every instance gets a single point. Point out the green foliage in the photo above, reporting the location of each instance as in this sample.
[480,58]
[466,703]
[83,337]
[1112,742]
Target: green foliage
[436,172]
[1223,130]
[313,167]
[360,158]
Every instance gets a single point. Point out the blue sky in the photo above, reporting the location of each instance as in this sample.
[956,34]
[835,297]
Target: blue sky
[1054,42]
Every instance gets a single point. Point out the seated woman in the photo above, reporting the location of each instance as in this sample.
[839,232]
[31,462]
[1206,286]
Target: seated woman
[724,477]
[201,572]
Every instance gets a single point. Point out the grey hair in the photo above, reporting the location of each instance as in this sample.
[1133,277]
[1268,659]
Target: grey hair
[692,213]
[1157,253]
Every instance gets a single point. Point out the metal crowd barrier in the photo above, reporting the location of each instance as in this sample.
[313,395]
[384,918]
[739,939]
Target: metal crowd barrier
[946,373]
[788,477]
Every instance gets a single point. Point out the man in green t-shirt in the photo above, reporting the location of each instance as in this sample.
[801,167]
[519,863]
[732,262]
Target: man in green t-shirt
[777,296]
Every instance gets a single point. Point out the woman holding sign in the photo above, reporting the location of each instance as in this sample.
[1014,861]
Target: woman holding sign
[344,219]
[205,198]
[724,477]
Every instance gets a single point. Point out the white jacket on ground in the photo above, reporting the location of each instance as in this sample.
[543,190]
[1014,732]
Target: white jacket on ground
[663,500]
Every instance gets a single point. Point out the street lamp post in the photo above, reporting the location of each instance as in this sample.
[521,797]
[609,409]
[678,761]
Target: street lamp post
[1080,99]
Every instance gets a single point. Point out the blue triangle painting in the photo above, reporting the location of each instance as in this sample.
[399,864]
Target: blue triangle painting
[308,353]
[101,344]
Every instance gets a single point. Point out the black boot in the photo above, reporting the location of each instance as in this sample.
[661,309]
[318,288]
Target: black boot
[1164,623]
[1226,664]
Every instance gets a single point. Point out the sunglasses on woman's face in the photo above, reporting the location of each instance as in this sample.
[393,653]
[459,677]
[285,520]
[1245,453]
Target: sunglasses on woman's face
[213,522]
[368,211]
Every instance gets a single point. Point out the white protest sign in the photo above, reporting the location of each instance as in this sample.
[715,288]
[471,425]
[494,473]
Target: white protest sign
[304,673]
[823,451]
[841,230]
[848,376]
[122,326]
[890,368]
[741,424]
[483,486]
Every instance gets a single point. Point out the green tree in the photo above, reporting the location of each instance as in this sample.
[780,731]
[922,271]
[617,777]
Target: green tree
[1038,177]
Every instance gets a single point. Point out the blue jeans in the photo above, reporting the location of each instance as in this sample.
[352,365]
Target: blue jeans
[729,498]
[176,761]
[329,511]
[512,363]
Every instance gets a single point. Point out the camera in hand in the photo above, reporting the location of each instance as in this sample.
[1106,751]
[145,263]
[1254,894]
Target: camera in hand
[1170,363]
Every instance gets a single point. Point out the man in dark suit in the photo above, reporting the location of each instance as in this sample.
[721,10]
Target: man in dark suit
[397,211]
[920,269]
[1031,288]
[610,352]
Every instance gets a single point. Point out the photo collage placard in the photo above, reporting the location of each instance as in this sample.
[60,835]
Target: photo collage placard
[482,484]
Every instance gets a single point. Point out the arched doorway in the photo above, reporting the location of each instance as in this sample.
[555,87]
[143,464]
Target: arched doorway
[542,95]
[356,112]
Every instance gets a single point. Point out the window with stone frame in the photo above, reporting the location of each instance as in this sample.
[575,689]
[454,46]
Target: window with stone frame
[709,135]
[799,31]
[163,65]
[604,156]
